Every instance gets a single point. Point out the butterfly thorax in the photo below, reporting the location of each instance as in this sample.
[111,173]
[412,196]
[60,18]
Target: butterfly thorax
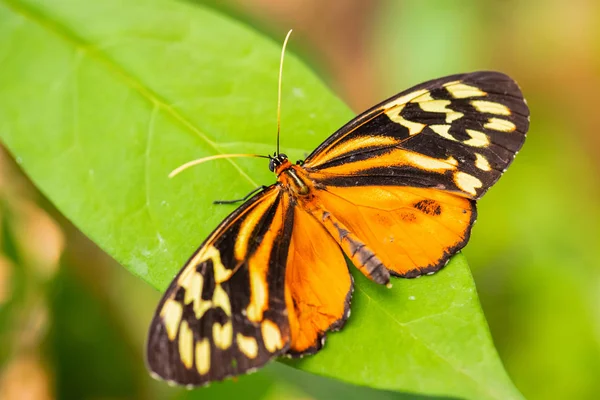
[292,177]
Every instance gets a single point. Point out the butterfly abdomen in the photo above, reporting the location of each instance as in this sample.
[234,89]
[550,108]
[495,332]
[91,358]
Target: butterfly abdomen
[361,256]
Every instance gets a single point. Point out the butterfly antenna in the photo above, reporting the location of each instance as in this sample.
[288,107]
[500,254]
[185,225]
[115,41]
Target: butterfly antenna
[279,87]
[209,158]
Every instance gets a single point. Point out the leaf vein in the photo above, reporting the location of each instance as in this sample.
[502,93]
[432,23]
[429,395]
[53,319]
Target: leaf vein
[429,348]
[96,53]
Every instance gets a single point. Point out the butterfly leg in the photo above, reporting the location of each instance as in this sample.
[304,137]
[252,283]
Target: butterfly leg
[246,197]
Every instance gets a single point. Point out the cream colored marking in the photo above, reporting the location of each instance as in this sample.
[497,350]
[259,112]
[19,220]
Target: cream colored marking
[490,107]
[442,130]
[258,266]
[428,163]
[203,356]
[396,156]
[200,256]
[259,292]
[478,139]
[247,227]
[361,142]
[453,116]
[221,273]
[221,299]
[462,91]
[185,277]
[193,283]
[467,182]
[453,161]
[247,345]
[392,109]
[438,106]
[223,335]
[424,97]
[413,127]
[271,336]
[186,345]
[210,252]
[499,124]
[193,288]
[201,306]
[404,99]
[482,163]
[171,313]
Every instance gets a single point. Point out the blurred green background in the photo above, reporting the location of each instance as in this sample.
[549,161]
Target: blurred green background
[533,251]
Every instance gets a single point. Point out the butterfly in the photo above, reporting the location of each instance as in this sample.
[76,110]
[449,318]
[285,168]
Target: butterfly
[394,191]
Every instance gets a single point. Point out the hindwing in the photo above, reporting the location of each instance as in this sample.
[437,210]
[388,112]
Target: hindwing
[318,285]
[408,231]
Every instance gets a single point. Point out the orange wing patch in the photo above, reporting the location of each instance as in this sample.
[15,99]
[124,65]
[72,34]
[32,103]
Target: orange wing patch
[258,268]
[318,285]
[412,231]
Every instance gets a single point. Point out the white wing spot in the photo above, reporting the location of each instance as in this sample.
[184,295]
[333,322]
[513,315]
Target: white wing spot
[223,335]
[413,127]
[247,345]
[442,130]
[171,313]
[499,124]
[467,182]
[478,139]
[203,356]
[271,336]
[490,107]
[462,91]
[482,163]
[186,345]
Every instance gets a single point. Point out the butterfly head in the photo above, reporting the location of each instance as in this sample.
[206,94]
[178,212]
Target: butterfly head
[277,161]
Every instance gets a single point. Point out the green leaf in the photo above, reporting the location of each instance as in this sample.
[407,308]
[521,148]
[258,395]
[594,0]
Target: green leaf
[99,101]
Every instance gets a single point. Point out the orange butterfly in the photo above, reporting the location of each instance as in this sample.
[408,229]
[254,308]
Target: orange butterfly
[393,190]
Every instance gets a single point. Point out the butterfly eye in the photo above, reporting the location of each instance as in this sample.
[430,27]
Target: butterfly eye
[272,165]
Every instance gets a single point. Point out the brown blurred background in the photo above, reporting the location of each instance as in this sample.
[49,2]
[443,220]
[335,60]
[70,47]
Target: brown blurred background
[534,252]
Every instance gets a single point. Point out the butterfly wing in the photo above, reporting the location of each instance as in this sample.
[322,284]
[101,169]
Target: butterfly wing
[318,285]
[404,175]
[225,312]
[411,231]
[457,133]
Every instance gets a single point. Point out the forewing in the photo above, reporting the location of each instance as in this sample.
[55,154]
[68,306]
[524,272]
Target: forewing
[224,313]
[457,133]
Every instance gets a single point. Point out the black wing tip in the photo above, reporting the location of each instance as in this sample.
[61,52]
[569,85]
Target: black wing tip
[473,76]
[483,74]
[491,78]
[192,380]
[163,362]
